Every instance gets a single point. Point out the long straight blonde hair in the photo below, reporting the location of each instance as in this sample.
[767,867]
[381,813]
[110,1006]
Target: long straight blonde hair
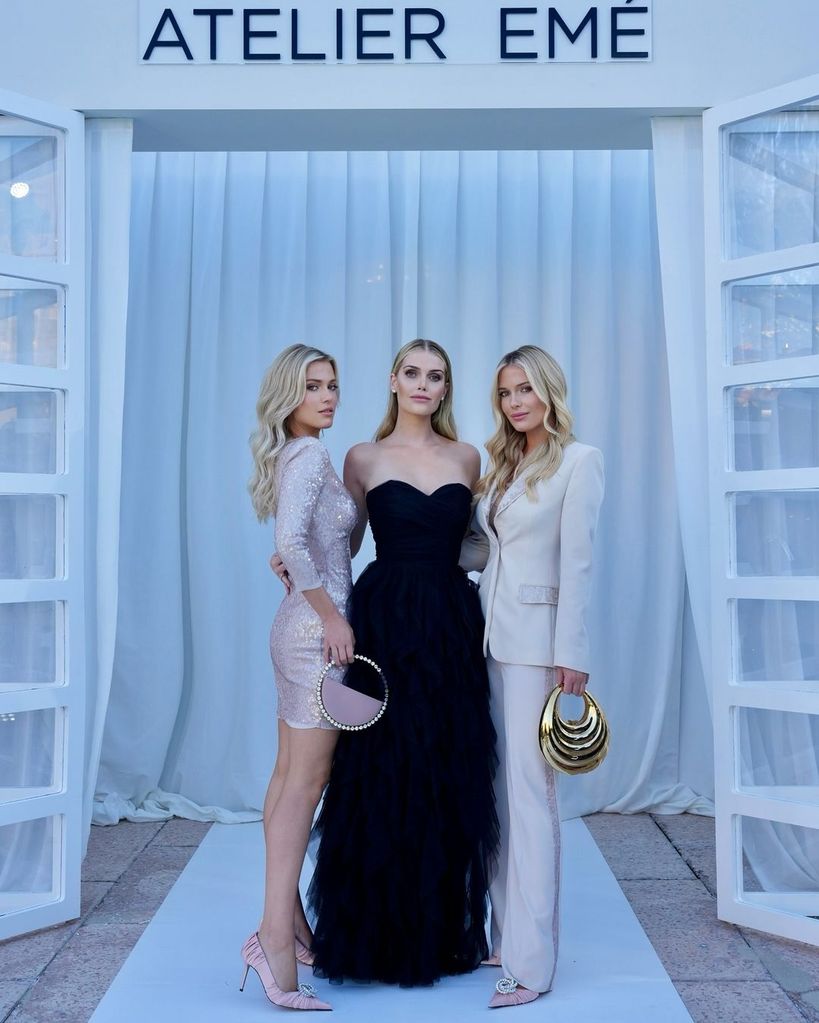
[283,389]
[505,446]
[443,418]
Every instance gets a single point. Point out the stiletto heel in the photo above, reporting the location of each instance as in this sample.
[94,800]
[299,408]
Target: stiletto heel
[304,954]
[244,978]
[255,959]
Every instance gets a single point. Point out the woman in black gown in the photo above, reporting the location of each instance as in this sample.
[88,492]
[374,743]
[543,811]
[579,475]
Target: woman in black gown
[408,830]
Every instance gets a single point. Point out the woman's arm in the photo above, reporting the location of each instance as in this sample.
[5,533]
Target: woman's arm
[578,522]
[302,480]
[475,545]
[354,482]
[473,465]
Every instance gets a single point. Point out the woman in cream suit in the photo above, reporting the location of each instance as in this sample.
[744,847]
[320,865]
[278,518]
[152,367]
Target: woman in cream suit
[531,538]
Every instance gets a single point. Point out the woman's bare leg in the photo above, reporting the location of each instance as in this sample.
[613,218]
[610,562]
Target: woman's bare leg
[302,927]
[288,819]
[279,772]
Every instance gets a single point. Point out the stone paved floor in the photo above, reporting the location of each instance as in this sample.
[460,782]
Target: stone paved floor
[665,866]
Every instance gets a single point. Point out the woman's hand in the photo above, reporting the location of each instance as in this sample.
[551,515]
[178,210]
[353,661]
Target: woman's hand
[572,682]
[339,641]
[277,565]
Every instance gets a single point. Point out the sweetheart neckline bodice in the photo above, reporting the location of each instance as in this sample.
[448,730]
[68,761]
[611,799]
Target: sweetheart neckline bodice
[418,490]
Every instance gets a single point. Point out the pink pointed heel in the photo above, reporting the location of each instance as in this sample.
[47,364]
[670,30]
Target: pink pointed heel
[304,954]
[255,959]
[493,959]
[509,992]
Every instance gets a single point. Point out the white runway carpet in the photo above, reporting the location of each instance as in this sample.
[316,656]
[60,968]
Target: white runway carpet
[186,966]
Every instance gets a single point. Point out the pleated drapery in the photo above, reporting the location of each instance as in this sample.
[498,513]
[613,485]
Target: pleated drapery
[108,191]
[234,256]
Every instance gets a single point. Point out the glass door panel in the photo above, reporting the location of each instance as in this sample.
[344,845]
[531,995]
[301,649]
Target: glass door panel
[775,424]
[30,427]
[31,324]
[776,533]
[31,761]
[30,547]
[770,167]
[42,395]
[30,874]
[793,773]
[31,645]
[31,190]
[775,316]
[775,641]
[780,873]
[762,297]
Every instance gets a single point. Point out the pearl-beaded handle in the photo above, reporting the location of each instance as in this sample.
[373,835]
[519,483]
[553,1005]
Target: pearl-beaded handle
[341,724]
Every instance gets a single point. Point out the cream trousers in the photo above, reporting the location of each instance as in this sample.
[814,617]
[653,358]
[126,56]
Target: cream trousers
[525,890]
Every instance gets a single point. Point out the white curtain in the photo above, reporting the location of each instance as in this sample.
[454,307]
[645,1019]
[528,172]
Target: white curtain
[108,199]
[678,173]
[235,256]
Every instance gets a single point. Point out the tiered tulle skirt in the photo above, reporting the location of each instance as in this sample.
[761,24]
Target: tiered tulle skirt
[408,831]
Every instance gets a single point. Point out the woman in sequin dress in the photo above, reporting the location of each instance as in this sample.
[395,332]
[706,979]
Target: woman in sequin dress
[294,482]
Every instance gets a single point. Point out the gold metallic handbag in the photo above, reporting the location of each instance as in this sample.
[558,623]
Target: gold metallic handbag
[573,747]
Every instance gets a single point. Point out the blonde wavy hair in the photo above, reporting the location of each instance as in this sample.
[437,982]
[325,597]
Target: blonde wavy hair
[505,446]
[443,418]
[283,389]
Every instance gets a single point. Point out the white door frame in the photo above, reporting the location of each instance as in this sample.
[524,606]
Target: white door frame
[62,801]
[783,913]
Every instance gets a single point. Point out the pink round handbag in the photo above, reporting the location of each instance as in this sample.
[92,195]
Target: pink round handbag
[347,708]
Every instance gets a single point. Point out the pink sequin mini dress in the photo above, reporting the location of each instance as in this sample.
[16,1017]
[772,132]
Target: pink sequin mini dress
[314,518]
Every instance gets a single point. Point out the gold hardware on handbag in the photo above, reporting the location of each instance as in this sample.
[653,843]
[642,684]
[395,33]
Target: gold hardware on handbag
[347,708]
[573,747]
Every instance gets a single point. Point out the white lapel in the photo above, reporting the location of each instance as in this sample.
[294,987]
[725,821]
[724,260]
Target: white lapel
[482,516]
[518,487]
[515,490]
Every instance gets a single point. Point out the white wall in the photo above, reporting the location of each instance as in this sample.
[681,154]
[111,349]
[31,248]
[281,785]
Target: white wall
[84,54]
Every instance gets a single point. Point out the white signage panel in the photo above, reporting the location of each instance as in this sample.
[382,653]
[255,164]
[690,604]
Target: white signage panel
[452,31]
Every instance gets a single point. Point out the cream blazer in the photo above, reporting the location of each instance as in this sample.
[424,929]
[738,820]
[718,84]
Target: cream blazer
[536,564]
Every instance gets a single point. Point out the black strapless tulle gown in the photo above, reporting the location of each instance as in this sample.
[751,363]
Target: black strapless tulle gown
[408,830]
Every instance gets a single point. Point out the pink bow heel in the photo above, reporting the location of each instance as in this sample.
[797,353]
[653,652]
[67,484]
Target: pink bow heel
[509,992]
[255,959]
